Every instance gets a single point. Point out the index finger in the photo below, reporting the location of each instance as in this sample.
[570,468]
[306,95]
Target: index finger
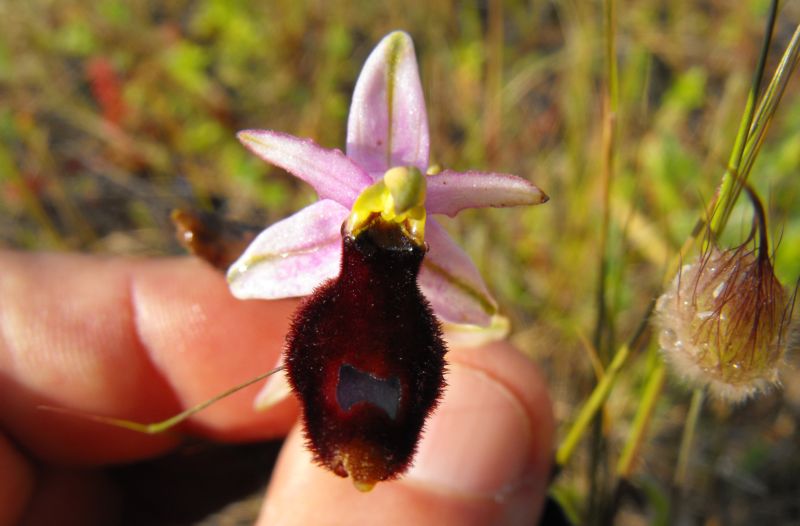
[134,339]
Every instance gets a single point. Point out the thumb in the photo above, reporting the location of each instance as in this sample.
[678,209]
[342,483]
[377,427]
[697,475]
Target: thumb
[484,457]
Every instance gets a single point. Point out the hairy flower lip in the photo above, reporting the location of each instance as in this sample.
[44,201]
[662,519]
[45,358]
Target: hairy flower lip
[387,127]
[365,355]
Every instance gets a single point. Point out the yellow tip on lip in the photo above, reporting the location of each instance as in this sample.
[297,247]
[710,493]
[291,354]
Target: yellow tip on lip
[363,487]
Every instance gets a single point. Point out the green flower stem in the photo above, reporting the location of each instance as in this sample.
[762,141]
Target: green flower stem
[603,324]
[733,179]
[601,391]
[591,407]
[607,154]
[164,425]
[644,414]
[688,437]
[611,104]
[769,102]
[749,136]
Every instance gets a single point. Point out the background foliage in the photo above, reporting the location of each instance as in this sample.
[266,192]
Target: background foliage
[114,112]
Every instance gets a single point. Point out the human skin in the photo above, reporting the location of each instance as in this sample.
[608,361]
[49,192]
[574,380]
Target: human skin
[143,339]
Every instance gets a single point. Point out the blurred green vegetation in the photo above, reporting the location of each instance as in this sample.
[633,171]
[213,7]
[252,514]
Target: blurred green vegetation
[114,112]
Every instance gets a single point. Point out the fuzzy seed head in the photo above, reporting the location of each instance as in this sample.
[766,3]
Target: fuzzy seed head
[723,323]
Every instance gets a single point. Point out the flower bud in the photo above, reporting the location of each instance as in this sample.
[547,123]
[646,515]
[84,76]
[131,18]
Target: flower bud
[724,320]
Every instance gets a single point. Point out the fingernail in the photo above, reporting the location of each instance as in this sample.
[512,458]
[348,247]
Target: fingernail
[478,441]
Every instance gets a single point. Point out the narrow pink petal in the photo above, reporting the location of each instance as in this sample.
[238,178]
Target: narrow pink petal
[451,282]
[330,172]
[388,123]
[293,256]
[450,192]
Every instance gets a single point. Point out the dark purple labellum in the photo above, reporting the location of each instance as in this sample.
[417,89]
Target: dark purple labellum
[366,357]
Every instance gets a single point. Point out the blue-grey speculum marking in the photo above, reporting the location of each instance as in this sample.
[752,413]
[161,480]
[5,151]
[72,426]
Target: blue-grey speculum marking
[356,386]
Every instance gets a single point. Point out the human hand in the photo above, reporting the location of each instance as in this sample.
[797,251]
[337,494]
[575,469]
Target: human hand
[144,339]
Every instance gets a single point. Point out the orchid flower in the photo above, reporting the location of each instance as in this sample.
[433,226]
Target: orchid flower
[387,128]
